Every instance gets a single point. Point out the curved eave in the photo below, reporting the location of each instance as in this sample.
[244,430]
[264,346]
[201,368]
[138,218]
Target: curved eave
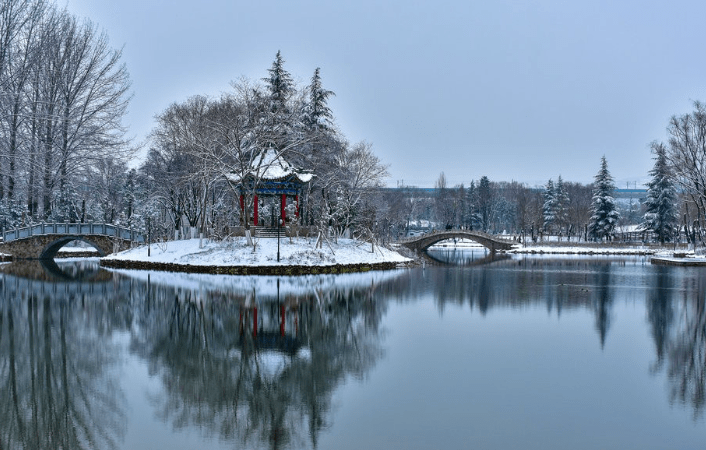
[302,178]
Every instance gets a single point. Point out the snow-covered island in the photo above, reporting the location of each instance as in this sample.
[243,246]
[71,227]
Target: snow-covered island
[235,256]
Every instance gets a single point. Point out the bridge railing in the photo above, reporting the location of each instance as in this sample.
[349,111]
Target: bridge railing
[455,230]
[79,229]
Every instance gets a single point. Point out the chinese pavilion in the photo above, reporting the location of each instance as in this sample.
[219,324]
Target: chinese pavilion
[271,176]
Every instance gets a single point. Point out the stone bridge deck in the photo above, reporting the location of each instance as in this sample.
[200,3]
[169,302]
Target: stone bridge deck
[425,241]
[43,241]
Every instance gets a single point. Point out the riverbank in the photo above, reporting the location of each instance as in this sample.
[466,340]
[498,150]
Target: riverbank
[298,256]
[584,250]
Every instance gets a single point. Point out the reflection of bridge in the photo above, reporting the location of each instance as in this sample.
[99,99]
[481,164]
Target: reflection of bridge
[467,262]
[19,288]
[427,240]
[44,241]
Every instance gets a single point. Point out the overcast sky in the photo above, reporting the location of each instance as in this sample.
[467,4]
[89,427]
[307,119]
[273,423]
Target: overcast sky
[513,90]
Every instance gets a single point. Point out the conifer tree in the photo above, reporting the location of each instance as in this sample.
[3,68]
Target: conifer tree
[549,207]
[317,114]
[472,214]
[484,203]
[279,84]
[661,215]
[281,119]
[604,216]
[562,203]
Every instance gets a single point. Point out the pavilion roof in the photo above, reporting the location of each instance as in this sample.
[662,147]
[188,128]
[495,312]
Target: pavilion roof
[271,166]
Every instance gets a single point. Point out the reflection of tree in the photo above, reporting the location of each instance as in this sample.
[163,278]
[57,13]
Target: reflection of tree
[602,302]
[686,351]
[517,283]
[258,371]
[660,312]
[55,377]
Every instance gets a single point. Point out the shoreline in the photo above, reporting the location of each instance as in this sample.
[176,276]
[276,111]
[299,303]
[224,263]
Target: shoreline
[249,270]
[678,262]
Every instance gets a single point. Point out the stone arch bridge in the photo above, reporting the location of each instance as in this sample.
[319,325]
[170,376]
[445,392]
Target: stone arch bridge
[425,241]
[44,241]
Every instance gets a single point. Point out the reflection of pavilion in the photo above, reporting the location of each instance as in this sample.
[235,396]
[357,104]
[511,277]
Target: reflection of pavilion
[271,180]
[270,327]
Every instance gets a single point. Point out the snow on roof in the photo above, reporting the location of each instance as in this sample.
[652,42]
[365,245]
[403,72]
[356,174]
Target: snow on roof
[270,165]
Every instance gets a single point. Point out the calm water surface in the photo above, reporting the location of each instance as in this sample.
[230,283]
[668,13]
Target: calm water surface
[515,353]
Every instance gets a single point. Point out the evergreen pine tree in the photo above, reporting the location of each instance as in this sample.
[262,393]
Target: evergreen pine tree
[484,203]
[604,216]
[472,211]
[549,207]
[562,203]
[281,120]
[661,215]
[280,85]
[317,114]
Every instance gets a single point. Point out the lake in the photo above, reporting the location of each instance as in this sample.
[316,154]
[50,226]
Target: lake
[470,351]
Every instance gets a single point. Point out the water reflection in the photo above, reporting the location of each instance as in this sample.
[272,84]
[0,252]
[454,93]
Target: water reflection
[466,257]
[255,361]
[684,342]
[256,365]
[57,377]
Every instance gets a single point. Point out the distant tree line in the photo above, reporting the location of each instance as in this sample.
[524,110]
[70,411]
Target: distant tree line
[494,207]
[674,207]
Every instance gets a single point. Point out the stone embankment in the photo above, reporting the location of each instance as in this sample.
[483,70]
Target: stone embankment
[248,270]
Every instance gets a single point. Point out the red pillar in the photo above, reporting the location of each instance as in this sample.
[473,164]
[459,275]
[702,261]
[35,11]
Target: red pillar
[255,205]
[284,205]
[281,324]
[296,199]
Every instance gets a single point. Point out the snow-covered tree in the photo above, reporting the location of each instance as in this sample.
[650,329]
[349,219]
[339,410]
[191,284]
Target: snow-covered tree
[686,154]
[604,216]
[562,203]
[549,208]
[317,114]
[485,203]
[473,220]
[661,214]
[556,204]
[280,85]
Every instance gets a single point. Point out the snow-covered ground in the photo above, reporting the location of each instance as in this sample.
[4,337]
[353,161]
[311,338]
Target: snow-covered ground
[236,252]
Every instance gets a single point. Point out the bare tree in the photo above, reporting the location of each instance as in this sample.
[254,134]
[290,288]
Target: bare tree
[63,92]
[686,153]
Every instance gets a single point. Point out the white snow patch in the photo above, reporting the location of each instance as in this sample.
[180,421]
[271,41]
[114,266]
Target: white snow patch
[567,250]
[236,252]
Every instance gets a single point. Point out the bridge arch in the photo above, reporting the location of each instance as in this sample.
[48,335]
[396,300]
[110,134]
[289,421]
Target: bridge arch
[425,241]
[52,248]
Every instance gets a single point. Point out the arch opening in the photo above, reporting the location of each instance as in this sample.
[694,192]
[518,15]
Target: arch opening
[52,249]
